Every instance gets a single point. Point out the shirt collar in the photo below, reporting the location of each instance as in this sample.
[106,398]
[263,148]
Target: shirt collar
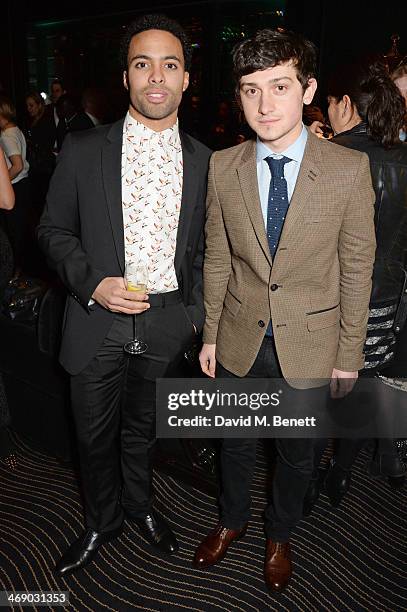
[134,129]
[94,120]
[294,151]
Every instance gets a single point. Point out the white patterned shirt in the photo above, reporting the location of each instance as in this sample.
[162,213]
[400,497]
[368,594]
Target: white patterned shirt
[152,174]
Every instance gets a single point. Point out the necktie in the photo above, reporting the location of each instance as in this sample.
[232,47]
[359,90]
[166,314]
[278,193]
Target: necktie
[277,207]
[277,202]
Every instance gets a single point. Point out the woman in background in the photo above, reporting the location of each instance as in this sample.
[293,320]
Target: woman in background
[399,76]
[6,189]
[366,112]
[13,143]
[6,270]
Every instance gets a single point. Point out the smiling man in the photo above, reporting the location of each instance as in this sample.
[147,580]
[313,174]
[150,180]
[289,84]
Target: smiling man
[290,246]
[130,192]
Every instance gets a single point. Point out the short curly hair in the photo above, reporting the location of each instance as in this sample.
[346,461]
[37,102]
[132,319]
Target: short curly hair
[155,22]
[268,48]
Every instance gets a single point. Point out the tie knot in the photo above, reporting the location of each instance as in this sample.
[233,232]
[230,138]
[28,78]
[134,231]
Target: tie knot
[277,165]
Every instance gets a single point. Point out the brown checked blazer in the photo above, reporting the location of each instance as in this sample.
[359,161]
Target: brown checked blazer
[317,288]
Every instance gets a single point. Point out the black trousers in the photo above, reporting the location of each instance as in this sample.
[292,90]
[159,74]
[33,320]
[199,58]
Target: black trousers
[346,450]
[113,401]
[238,457]
[17,223]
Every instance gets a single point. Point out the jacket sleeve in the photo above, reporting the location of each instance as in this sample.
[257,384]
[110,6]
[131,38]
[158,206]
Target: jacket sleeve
[356,248]
[217,260]
[195,307]
[59,229]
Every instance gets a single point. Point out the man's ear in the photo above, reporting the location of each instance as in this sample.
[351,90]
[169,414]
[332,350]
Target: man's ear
[186,81]
[125,80]
[346,105]
[310,91]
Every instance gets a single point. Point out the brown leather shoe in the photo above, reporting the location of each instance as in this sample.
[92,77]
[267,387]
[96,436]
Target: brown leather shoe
[215,546]
[277,567]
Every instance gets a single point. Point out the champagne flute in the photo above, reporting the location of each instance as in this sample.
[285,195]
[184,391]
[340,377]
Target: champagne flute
[136,277]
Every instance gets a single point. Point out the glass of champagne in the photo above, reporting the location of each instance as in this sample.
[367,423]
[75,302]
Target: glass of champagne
[136,277]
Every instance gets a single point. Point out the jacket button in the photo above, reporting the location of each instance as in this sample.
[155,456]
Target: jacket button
[274,287]
[261,323]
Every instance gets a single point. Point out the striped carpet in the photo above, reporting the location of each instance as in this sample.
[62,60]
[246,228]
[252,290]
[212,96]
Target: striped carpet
[350,559]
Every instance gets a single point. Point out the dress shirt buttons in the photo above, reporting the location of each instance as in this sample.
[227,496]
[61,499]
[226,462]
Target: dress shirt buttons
[261,323]
[274,287]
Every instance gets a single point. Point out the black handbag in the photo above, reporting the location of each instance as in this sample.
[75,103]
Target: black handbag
[22,298]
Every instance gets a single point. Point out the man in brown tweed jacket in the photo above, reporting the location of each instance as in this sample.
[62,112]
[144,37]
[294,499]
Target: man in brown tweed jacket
[287,275]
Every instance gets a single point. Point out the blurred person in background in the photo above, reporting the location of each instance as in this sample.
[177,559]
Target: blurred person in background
[71,117]
[41,136]
[13,143]
[224,129]
[6,270]
[57,90]
[399,76]
[94,104]
[366,112]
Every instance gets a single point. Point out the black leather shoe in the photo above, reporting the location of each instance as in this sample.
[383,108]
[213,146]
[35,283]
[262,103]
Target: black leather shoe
[83,550]
[390,467]
[157,533]
[337,483]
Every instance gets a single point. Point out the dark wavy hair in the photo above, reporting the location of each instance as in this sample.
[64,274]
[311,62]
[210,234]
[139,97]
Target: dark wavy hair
[268,48]
[376,98]
[155,22]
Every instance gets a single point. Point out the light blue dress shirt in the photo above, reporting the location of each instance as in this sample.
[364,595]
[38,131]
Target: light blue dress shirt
[295,152]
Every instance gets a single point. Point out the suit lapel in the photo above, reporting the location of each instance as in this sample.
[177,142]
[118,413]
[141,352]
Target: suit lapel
[307,183]
[111,173]
[189,195]
[247,174]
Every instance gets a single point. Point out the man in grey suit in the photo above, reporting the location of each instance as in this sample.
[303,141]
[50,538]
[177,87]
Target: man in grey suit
[130,192]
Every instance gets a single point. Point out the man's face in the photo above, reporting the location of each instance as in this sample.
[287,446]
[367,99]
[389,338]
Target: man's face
[272,101]
[155,78]
[56,91]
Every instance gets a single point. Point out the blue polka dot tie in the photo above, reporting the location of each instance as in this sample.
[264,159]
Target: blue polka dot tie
[277,202]
[277,207]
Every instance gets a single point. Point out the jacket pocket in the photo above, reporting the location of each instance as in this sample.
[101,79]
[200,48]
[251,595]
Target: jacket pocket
[324,318]
[322,218]
[231,303]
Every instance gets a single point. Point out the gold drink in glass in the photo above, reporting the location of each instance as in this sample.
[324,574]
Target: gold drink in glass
[136,277]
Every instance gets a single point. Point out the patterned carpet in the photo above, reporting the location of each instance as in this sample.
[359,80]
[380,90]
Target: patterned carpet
[350,559]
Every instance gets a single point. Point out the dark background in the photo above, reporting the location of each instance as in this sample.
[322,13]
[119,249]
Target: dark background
[78,41]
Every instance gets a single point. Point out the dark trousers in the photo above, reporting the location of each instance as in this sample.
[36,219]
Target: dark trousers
[346,450]
[113,401]
[238,457]
[17,223]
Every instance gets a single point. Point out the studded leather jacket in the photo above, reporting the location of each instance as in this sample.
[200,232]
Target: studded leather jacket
[388,305]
